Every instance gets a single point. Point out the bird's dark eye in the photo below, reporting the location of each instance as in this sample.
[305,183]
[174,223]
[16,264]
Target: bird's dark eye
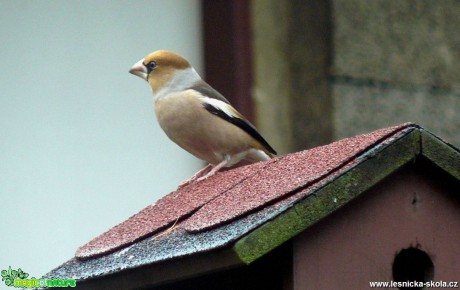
[151,66]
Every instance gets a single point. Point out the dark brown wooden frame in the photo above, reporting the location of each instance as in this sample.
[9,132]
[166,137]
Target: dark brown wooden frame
[227,51]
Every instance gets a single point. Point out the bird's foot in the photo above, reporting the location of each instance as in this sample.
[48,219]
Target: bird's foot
[214,170]
[203,172]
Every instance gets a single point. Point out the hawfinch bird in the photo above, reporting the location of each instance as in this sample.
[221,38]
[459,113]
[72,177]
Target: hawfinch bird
[197,117]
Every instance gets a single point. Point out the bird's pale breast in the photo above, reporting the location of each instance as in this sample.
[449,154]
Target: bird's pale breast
[187,123]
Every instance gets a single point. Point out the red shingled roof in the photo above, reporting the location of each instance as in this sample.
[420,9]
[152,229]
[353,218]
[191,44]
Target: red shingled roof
[235,193]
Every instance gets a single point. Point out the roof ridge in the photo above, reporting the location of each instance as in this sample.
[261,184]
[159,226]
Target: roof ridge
[244,202]
[194,207]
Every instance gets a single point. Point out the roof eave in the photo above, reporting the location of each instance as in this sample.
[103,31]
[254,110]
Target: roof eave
[375,164]
[328,195]
[440,153]
[165,272]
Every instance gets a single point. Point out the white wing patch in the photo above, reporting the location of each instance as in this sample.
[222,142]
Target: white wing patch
[221,106]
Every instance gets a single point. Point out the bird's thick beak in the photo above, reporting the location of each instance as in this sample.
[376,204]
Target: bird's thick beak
[139,69]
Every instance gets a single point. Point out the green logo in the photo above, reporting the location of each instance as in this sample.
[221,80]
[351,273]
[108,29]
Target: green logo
[10,275]
[18,278]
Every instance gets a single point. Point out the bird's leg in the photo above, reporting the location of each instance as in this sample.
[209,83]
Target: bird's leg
[214,170]
[197,175]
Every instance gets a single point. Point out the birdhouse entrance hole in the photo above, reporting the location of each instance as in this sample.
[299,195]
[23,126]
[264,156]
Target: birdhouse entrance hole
[412,264]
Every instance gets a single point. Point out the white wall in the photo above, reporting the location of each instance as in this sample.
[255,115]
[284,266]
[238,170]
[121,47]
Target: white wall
[80,149]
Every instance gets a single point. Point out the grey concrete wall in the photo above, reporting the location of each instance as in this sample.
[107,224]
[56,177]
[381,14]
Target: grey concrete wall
[396,61]
[271,72]
[325,70]
[291,61]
